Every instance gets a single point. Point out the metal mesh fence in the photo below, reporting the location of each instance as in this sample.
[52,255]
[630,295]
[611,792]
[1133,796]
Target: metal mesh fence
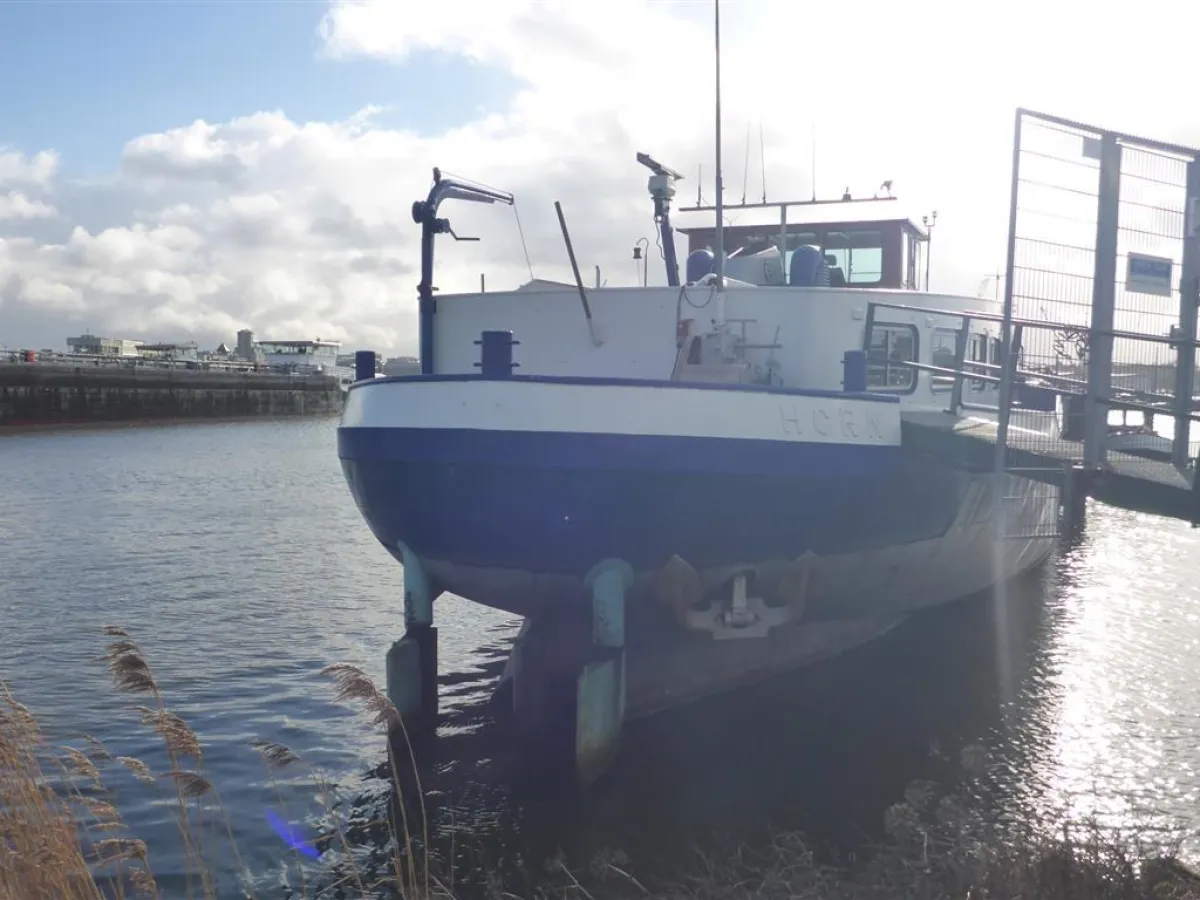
[1054,257]
[1057,222]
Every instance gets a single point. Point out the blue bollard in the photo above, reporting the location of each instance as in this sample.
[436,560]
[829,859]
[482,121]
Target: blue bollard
[854,372]
[364,365]
[496,355]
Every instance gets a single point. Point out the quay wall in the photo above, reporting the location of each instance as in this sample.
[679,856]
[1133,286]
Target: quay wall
[36,394]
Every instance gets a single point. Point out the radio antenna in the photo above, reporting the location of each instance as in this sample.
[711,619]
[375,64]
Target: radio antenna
[814,163]
[720,208]
[762,156]
[746,165]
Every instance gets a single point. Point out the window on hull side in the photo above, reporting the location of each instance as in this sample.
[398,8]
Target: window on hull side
[943,343]
[979,353]
[889,348]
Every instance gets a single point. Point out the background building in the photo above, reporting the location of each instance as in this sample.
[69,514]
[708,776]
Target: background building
[94,345]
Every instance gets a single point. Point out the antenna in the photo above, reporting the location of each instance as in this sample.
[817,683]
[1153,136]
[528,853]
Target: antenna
[814,161]
[720,210]
[762,156]
[746,164]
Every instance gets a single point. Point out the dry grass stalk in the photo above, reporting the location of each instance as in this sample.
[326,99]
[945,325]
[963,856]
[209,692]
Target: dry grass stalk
[353,685]
[54,838]
[191,785]
[97,750]
[276,756]
[131,674]
[137,768]
[45,848]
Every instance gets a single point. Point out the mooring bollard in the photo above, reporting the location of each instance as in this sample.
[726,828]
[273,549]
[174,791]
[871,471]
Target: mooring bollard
[854,371]
[364,365]
[496,354]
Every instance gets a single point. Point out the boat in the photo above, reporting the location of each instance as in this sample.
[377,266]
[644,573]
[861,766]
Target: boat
[710,476]
[740,451]
[305,357]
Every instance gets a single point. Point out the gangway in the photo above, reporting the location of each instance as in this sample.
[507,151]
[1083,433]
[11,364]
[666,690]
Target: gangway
[1101,289]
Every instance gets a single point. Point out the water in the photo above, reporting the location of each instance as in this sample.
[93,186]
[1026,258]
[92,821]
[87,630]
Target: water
[235,556]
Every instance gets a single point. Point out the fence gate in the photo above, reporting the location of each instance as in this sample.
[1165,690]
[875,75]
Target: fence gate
[1102,252]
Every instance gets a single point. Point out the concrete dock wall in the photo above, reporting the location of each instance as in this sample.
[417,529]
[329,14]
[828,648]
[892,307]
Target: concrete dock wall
[47,394]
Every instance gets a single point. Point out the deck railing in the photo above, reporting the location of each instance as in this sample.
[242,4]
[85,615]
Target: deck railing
[1030,373]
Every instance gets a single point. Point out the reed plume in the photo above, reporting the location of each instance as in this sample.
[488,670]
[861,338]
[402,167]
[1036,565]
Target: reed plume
[353,685]
[275,755]
[47,848]
[131,674]
[137,768]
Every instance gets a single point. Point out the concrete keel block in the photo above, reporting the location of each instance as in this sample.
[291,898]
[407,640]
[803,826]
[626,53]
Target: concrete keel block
[412,678]
[599,714]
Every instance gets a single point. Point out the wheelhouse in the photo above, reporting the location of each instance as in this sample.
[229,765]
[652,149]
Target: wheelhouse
[859,250]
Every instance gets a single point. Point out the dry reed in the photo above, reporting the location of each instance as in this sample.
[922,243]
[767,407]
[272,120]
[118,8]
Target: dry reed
[62,836]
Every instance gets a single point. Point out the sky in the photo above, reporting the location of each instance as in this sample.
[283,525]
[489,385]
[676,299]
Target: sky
[180,170]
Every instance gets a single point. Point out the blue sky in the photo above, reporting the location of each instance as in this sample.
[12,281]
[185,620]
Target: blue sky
[91,75]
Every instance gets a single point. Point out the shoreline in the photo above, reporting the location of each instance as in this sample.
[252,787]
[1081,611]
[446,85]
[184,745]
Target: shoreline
[27,428]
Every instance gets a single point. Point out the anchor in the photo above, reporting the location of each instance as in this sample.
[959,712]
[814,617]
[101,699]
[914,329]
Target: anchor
[678,587]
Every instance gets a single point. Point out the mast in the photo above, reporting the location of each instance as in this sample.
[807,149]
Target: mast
[720,234]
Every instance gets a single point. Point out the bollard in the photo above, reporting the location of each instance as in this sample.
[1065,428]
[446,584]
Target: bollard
[496,354]
[854,372]
[364,365]
[1074,420]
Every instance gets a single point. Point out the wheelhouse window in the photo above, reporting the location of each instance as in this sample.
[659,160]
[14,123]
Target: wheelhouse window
[796,240]
[889,348]
[854,257]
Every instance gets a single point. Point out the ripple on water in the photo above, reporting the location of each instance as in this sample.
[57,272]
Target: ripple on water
[238,560]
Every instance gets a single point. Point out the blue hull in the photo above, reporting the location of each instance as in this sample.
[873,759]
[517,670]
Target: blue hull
[552,506]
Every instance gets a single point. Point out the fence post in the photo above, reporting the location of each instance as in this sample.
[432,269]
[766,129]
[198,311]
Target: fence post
[1104,289]
[960,355]
[1189,288]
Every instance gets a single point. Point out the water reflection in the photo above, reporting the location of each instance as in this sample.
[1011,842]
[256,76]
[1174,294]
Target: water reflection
[824,749]
[1117,724]
[1076,677]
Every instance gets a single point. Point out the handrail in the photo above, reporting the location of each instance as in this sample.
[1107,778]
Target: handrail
[1033,323]
[1111,401]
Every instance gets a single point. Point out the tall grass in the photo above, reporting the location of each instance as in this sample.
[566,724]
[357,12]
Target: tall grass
[62,836]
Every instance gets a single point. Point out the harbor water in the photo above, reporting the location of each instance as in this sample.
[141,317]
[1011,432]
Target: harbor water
[233,553]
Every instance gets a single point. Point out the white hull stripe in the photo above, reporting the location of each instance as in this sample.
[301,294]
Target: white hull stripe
[622,409]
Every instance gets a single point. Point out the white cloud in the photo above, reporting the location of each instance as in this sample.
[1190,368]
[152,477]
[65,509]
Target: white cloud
[304,229]
[16,205]
[37,170]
